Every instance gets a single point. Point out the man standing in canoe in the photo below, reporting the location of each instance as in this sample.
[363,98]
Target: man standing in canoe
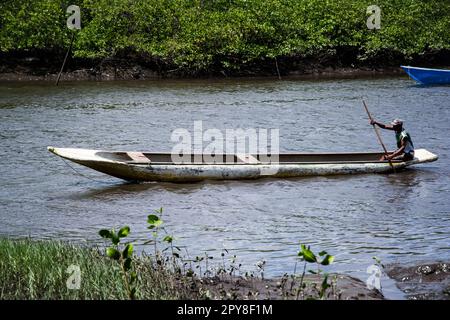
[405,151]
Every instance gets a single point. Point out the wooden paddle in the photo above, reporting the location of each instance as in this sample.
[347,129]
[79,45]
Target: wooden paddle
[378,135]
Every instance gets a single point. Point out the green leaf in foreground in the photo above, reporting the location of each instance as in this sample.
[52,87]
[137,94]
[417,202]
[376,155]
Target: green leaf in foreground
[153,221]
[307,254]
[113,253]
[327,260]
[128,251]
[123,232]
[115,238]
[168,239]
[105,233]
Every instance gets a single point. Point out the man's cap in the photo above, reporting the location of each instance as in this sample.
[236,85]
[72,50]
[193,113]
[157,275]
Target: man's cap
[397,122]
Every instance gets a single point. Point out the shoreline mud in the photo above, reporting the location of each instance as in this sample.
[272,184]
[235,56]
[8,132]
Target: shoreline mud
[422,281]
[45,66]
[124,75]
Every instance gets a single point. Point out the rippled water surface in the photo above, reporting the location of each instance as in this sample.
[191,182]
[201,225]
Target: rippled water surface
[401,217]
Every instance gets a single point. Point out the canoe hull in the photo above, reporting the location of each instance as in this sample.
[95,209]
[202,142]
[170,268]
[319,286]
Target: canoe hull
[428,76]
[198,172]
[188,173]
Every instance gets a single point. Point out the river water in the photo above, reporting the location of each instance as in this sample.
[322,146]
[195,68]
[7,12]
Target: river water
[403,217]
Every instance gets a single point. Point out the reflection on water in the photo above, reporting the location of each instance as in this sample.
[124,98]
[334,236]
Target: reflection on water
[396,217]
[119,189]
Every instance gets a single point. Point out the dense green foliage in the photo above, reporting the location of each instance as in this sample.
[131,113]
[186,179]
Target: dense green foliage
[196,35]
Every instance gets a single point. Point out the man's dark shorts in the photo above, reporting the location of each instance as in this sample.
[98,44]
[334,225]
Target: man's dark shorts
[405,157]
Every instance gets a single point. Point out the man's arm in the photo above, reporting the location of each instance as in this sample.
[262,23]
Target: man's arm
[396,153]
[381,125]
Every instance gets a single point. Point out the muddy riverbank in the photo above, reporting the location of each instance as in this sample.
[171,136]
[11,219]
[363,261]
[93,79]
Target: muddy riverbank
[422,281]
[343,287]
[44,65]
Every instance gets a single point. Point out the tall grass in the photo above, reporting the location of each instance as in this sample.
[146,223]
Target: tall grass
[31,269]
[37,270]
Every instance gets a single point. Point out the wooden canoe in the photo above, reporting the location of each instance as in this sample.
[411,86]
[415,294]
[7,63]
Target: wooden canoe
[146,166]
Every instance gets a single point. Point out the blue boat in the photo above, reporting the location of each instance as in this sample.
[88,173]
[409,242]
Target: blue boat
[428,76]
